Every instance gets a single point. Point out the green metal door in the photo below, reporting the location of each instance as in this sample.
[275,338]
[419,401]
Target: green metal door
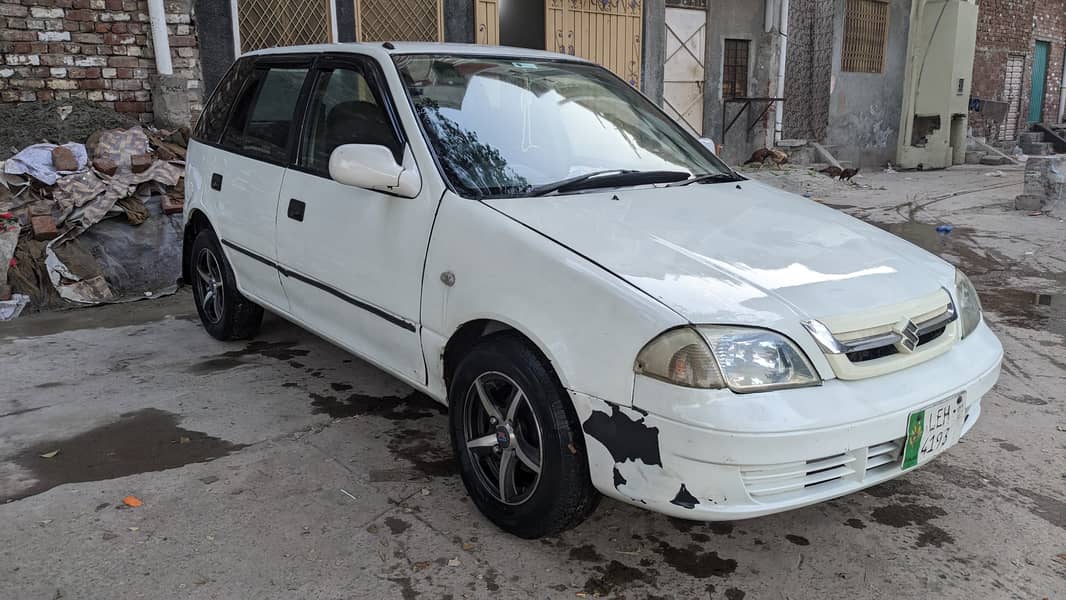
[1036,97]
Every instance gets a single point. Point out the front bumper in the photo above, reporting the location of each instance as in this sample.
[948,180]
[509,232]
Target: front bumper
[723,456]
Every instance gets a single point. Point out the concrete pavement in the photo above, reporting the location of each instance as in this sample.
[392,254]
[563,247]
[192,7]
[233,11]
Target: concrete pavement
[286,468]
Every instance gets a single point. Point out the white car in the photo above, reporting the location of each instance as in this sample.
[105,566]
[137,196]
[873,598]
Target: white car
[603,305]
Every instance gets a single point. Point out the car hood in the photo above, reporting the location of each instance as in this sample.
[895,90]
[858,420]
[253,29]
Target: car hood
[733,253]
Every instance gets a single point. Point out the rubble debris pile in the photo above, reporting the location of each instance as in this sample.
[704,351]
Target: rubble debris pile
[60,239]
[1045,185]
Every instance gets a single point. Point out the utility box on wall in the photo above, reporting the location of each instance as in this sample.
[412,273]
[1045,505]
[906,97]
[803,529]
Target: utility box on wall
[936,96]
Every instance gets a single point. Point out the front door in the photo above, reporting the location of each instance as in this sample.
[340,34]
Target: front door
[352,258]
[1036,96]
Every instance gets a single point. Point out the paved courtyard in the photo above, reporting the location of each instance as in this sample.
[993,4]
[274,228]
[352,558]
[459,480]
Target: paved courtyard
[286,468]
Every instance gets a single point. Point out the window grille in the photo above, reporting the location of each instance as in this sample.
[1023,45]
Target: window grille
[865,36]
[399,20]
[271,23]
[735,69]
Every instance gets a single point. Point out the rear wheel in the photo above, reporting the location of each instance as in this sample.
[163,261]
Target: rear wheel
[224,312]
[518,440]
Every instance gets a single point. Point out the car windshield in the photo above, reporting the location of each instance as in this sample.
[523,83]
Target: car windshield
[517,126]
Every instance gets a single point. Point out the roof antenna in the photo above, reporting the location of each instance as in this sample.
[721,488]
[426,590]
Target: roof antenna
[389,46]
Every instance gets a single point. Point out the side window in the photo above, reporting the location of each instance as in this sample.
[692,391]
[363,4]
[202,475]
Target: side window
[260,121]
[213,119]
[343,110]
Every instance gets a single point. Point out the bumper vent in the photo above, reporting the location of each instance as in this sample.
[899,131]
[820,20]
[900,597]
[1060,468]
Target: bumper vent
[771,483]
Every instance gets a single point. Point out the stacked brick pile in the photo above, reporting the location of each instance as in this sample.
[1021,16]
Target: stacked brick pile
[98,50]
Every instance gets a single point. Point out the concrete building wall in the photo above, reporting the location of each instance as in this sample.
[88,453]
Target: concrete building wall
[729,19]
[865,108]
[96,50]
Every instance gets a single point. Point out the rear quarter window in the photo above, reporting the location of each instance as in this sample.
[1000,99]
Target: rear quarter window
[261,118]
[212,121]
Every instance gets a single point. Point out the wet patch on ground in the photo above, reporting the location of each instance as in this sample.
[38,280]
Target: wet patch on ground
[615,576]
[734,594]
[396,526]
[957,243]
[1047,508]
[855,523]
[907,515]
[214,365]
[586,553]
[276,350]
[798,540]
[138,442]
[428,455]
[395,408]
[691,560]
[1026,309]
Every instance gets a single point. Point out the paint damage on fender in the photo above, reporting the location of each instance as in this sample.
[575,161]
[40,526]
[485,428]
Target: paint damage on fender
[634,447]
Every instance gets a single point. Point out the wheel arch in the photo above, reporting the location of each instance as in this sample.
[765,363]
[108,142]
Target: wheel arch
[471,332]
[196,223]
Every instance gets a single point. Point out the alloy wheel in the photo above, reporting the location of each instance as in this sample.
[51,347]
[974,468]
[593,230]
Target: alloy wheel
[503,438]
[209,284]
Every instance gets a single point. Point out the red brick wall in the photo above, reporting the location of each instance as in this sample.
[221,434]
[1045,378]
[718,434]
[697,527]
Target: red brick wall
[1049,25]
[1011,27]
[98,50]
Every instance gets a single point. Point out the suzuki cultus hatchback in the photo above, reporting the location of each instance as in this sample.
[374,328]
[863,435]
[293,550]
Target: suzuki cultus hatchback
[604,306]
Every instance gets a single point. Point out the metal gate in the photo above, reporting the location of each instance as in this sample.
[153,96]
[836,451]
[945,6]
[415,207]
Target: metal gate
[683,72]
[271,23]
[399,20]
[1012,93]
[606,32]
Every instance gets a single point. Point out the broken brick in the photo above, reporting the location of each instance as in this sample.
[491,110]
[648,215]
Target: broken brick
[164,153]
[139,163]
[105,166]
[63,159]
[44,227]
[172,205]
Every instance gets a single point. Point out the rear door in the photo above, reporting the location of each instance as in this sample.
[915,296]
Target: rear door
[352,258]
[246,173]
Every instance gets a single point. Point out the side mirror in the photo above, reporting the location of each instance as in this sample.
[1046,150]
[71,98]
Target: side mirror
[710,145]
[373,167]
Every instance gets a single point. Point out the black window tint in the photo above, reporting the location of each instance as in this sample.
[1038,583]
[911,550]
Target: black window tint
[262,117]
[213,120]
[343,110]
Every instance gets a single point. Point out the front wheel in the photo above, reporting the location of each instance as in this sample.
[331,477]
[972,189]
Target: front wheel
[224,312]
[518,440]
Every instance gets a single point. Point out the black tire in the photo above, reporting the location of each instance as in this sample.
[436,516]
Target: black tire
[533,505]
[227,315]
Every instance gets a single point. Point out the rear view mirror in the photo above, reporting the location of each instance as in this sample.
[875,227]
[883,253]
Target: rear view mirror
[373,167]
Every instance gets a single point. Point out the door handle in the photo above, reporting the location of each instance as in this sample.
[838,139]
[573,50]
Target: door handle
[296,210]
[216,182]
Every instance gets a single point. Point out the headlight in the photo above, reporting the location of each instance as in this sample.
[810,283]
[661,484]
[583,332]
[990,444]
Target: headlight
[744,359]
[969,304]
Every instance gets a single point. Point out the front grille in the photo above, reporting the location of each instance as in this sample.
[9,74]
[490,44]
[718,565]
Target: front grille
[884,339]
[770,483]
[890,349]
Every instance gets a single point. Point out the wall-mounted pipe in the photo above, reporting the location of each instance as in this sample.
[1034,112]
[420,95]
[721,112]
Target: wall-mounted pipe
[160,38]
[779,107]
[1062,95]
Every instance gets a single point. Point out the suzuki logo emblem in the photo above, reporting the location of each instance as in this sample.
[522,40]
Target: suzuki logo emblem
[908,333]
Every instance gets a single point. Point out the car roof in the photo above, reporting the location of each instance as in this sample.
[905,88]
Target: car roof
[379,49]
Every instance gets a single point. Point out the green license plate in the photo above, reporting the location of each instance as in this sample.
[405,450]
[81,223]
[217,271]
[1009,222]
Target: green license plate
[932,430]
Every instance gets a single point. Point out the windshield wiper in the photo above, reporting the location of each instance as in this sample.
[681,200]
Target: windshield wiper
[608,178]
[712,178]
